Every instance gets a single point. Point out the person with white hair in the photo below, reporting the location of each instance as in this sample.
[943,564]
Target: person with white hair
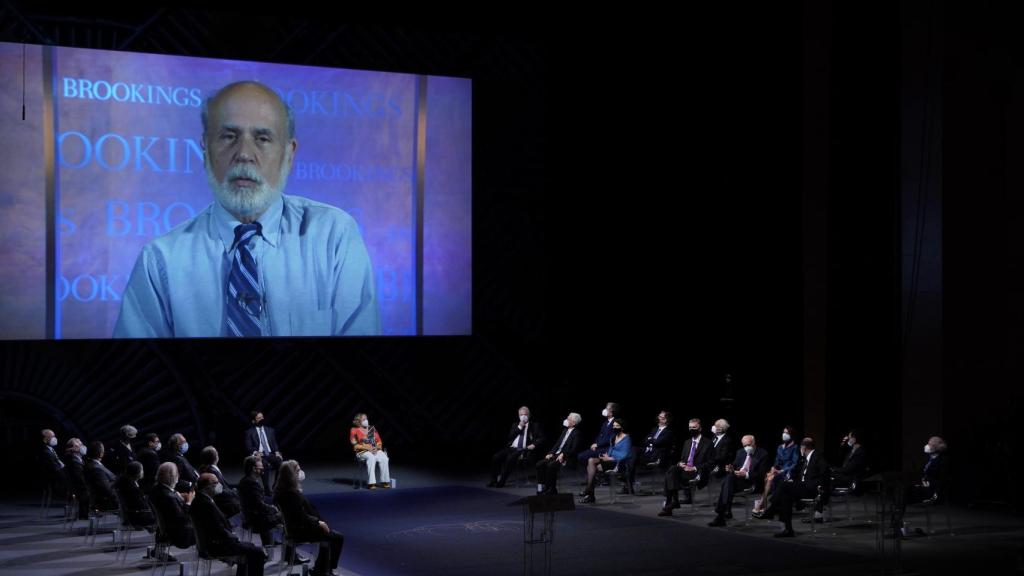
[722,449]
[522,438]
[563,453]
[255,262]
[122,452]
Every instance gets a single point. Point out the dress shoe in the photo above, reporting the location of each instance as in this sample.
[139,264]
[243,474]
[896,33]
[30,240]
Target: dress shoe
[384,485]
[718,521]
[665,512]
[587,499]
[787,533]
[759,514]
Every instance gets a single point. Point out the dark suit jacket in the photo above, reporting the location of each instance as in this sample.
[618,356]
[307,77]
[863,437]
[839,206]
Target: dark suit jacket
[722,454]
[172,512]
[701,458]
[817,471]
[74,471]
[854,464]
[227,500]
[49,464]
[252,439]
[185,469]
[213,530]
[571,448]
[661,447]
[118,456]
[101,485]
[150,462]
[937,474]
[534,434]
[254,504]
[760,463]
[134,502]
[300,516]
[604,436]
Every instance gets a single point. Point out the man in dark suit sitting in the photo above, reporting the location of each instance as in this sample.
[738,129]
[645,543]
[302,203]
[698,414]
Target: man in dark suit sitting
[604,436]
[74,471]
[561,454]
[50,466]
[854,461]
[521,440]
[99,479]
[747,470]
[171,508]
[722,451]
[134,503]
[174,452]
[227,497]
[121,453]
[694,465]
[150,459]
[809,477]
[214,532]
[260,439]
[654,451]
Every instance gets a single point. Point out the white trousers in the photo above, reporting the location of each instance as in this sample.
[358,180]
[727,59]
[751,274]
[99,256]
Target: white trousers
[372,460]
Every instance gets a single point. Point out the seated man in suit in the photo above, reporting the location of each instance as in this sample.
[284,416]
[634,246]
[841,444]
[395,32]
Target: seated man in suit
[854,462]
[746,471]
[302,519]
[99,479]
[722,451]
[51,469]
[214,531]
[227,497]
[261,439]
[808,479]
[171,508]
[74,471]
[562,454]
[521,440]
[695,465]
[149,457]
[134,503]
[174,452]
[603,440]
[121,453]
[654,451]
[934,475]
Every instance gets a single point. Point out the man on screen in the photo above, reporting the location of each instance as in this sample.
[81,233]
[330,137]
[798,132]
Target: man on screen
[255,262]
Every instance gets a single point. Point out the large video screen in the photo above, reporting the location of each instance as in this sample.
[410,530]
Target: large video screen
[111,226]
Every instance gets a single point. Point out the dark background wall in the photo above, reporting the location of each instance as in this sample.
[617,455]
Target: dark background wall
[743,208]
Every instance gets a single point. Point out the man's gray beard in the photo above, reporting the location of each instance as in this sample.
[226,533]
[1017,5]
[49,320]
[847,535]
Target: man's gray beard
[243,202]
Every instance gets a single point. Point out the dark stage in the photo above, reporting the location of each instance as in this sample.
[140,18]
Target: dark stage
[431,524]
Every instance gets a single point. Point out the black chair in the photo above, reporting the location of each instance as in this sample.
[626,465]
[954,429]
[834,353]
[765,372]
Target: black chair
[205,559]
[129,528]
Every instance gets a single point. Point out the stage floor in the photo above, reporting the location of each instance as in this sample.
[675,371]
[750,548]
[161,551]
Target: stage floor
[432,524]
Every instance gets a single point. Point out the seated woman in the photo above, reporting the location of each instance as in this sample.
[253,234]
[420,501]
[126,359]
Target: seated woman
[369,448]
[786,457]
[302,520]
[620,449]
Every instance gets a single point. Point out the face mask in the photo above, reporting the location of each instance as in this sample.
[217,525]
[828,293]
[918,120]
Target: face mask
[714,430]
[82,450]
[365,423]
[604,412]
[617,430]
[927,448]
[217,489]
[302,475]
[184,448]
[524,418]
[748,449]
[694,432]
[850,443]
[786,437]
[158,447]
[53,441]
[565,423]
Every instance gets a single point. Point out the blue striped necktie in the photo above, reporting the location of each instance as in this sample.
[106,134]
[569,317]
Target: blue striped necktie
[245,298]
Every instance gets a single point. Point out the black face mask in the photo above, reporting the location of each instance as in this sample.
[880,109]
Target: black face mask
[694,432]
[617,431]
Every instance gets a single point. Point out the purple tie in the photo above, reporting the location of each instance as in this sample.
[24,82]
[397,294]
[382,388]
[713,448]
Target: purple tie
[693,448]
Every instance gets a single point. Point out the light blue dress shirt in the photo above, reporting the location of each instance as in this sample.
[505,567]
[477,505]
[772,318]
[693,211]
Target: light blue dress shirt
[313,266]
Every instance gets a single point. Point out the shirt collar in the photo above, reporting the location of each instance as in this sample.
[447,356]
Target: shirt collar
[270,220]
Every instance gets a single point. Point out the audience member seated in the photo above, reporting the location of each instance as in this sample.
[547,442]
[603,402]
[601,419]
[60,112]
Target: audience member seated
[99,479]
[722,449]
[133,502]
[655,451]
[747,471]
[302,520]
[174,452]
[369,449]
[562,454]
[934,475]
[604,436]
[214,531]
[121,453]
[171,507]
[261,439]
[854,462]
[808,479]
[149,457]
[51,468]
[786,457]
[694,465]
[620,450]
[226,497]
[521,440]
[260,516]
[74,471]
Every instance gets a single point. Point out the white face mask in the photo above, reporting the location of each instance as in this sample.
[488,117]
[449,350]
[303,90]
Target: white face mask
[850,442]
[786,437]
[218,489]
[365,423]
[82,450]
[158,447]
[53,441]
[927,448]
[748,449]
[565,423]
[714,430]
[302,475]
[524,418]
[604,412]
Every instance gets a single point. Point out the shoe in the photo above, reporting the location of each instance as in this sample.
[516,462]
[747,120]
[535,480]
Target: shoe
[718,521]
[582,493]
[787,533]
[385,485]
[728,515]
[665,512]
[588,499]
[372,487]
[759,514]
